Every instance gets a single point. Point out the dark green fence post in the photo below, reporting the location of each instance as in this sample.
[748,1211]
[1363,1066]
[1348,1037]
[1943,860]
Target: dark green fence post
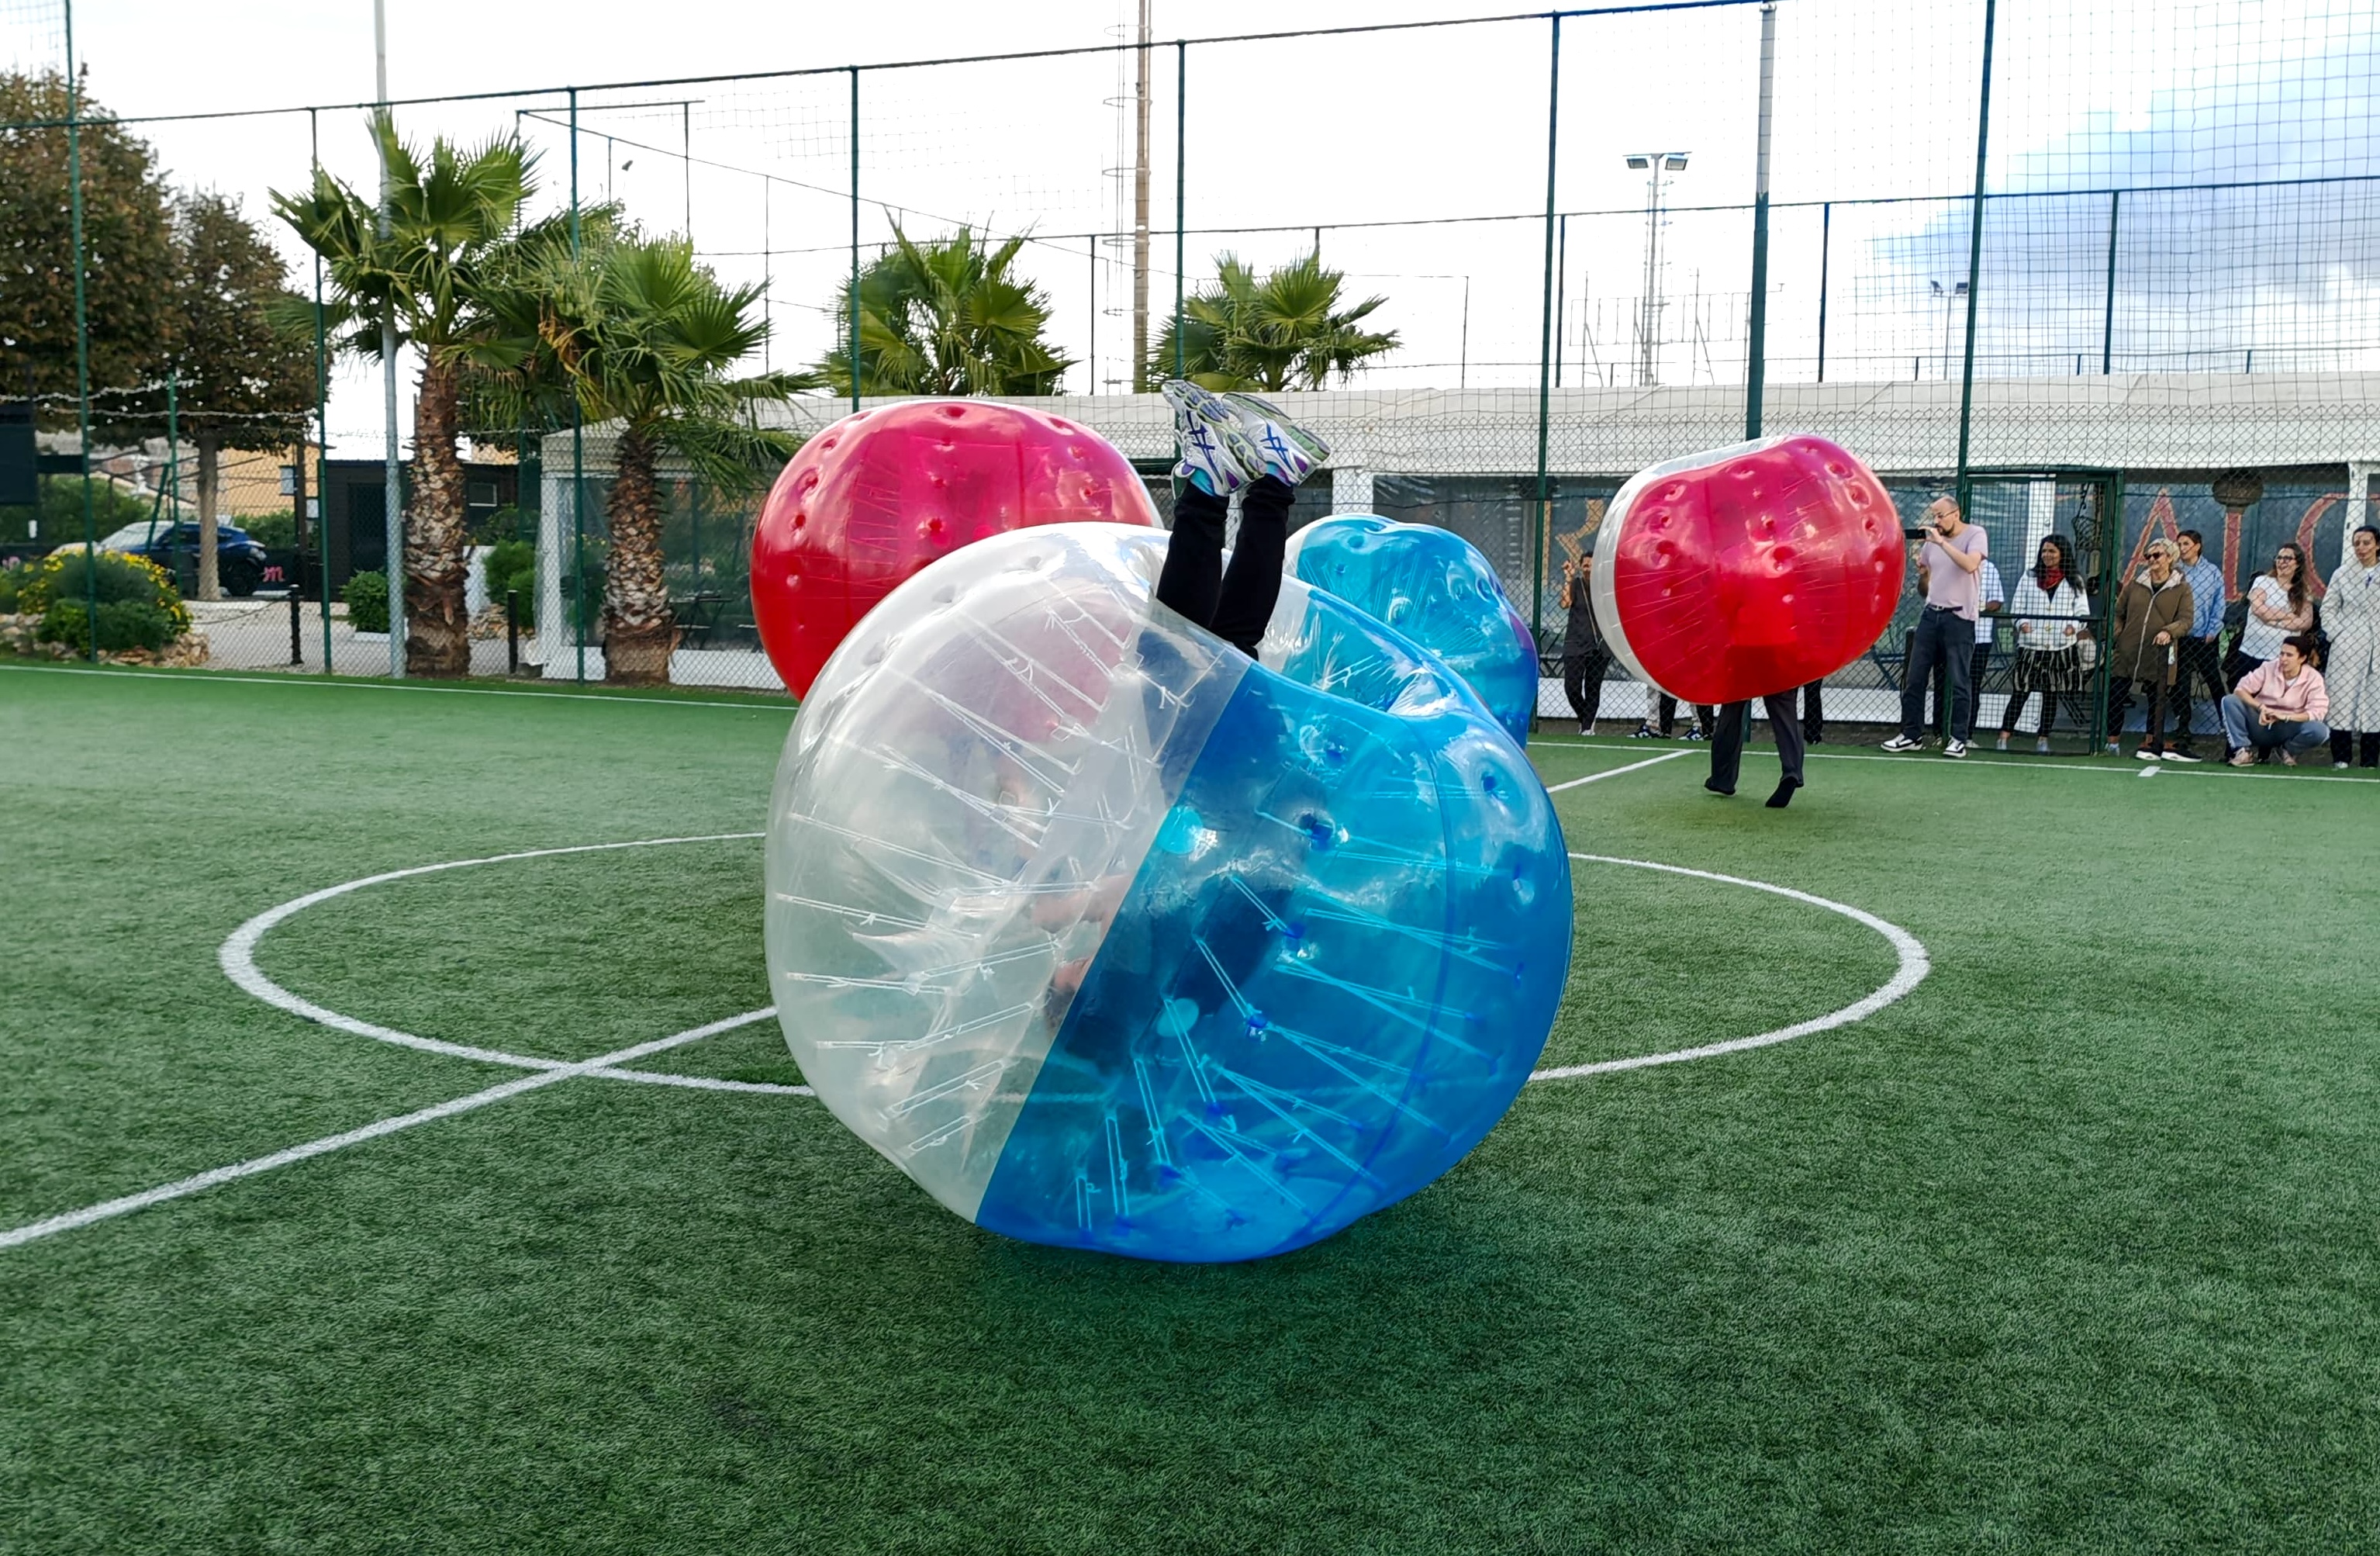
[1544,351]
[577,443]
[82,342]
[1975,257]
[1755,364]
[2107,335]
[854,346]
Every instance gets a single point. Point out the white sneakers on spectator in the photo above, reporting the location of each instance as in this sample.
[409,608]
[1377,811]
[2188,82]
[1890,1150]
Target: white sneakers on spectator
[1954,748]
[2041,747]
[2182,756]
[1903,743]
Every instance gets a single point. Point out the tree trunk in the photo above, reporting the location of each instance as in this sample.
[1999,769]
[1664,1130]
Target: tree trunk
[437,626]
[639,631]
[210,578]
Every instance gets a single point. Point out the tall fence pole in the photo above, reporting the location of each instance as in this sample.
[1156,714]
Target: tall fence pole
[854,346]
[2108,331]
[82,344]
[1181,189]
[322,419]
[1546,345]
[1756,363]
[1825,253]
[392,476]
[1975,258]
[578,444]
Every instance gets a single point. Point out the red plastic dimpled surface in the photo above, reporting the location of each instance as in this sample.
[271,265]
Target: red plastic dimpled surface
[878,495]
[1748,570]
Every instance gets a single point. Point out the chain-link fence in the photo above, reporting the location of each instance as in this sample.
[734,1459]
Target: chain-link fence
[2107,272]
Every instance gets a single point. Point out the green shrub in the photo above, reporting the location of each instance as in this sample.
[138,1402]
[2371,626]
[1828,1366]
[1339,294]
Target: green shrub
[124,624]
[8,588]
[511,564]
[276,531]
[64,575]
[367,599]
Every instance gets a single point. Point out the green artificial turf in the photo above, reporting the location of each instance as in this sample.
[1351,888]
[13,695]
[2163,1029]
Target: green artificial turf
[2069,1249]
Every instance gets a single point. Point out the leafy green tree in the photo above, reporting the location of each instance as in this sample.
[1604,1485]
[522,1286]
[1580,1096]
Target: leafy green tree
[948,316]
[127,252]
[450,210]
[244,382]
[1284,330]
[648,342]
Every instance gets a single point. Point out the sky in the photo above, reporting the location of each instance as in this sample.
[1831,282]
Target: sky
[1382,141]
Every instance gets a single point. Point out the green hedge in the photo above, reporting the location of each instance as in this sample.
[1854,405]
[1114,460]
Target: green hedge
[367,600]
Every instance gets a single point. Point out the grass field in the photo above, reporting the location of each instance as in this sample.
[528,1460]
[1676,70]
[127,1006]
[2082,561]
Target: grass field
[2070,1248]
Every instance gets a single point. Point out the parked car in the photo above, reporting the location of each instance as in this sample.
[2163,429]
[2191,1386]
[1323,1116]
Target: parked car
[240,561]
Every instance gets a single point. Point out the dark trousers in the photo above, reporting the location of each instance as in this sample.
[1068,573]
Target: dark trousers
[2200,659]
[2343,743]
[1668,719]
[2155,691]
[1582,683]
[1233,605]
[1726,740]
[2054,674]
[1946,638]
[1939,714]
[1814,712]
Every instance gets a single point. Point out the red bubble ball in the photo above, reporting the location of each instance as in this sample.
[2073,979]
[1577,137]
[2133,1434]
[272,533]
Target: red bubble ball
[875,497]
[1747,571]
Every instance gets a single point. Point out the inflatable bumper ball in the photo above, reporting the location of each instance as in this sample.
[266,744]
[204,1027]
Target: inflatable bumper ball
[1750,570]
[884,491]
[1111,939]
[1434,587]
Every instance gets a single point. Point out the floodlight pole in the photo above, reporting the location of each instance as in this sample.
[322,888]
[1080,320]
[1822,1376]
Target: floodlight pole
[1976,259]
[1755,366]
[392,478]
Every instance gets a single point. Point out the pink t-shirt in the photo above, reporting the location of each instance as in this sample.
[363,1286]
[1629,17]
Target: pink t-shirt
[1949,584]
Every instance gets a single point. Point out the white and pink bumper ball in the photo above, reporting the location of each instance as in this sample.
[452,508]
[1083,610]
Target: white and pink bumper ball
[1111,938]
[1746,571]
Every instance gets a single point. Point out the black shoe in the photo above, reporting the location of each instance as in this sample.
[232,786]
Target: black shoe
[1642,732]
[1784,795]
[1713,785]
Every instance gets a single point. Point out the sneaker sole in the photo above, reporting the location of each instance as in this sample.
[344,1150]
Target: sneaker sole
[1290,452]
[1214,445]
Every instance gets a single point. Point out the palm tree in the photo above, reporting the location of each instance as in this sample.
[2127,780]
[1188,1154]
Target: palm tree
[644,338]
[448,213]
[945,317]
[1284,331]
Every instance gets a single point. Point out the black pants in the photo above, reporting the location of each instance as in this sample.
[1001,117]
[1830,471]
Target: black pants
[1668,722]
[2054,673]
[2199,659]
[2155,691]
[1946,638]
[1814,712]
[1939,715]
[1582,683]
[1727,741]
[1233,605]
[2343,742]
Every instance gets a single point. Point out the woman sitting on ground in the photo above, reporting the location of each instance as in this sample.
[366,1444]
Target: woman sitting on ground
[2279,706]
[2050,610]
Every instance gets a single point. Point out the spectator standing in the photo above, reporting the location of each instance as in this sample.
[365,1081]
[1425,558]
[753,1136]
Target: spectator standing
[2279,706]
[1814,713]
[2279,602]
[2199,659]
[2050,610]
[1950,569]
[1987,624]
[2151,617]
[2350,617]
[1706,720]
[1586,656]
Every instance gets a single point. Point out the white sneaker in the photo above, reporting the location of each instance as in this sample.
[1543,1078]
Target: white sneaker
[1287,452]
[2181,756]
[2144,754]
[1903,743]
[2041,748]
[1954,748]
[1217,455]
[1999,743]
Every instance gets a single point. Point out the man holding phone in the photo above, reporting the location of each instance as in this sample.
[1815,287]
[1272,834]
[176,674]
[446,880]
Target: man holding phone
[1950,576]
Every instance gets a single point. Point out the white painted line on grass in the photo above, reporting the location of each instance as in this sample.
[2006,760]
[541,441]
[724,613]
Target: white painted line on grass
[2151,771]
[1914,966]
[2005,764]
[361,684]
[249,1169]
[1632,767]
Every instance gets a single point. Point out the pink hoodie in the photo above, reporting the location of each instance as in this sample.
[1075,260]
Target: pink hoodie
[2302,698]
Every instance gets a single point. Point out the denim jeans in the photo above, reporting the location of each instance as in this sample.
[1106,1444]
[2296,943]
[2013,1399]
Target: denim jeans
[2240,728]
[1942,638]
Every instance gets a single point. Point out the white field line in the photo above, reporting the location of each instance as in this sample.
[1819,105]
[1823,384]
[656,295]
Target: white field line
[362,683]
[1914,966]
[1997,763]
[2151,771]
[1614,773]
[238,957]
[249,1169]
